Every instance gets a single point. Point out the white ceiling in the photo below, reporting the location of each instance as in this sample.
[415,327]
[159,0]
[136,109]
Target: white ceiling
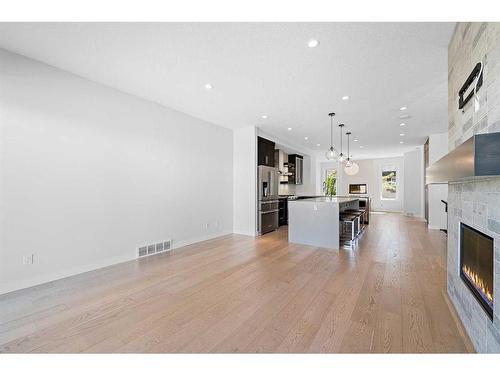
[266,68]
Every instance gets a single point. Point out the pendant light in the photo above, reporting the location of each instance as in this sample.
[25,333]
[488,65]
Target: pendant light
[341,156]
[350,168]
[331,154]
[348,161]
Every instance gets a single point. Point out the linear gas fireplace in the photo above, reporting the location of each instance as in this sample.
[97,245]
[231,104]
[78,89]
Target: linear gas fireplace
[476,265]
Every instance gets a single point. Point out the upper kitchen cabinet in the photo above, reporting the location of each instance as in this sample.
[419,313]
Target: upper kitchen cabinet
[295,169]
[265,152]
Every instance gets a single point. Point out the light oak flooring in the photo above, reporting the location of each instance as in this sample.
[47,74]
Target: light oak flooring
[240,294]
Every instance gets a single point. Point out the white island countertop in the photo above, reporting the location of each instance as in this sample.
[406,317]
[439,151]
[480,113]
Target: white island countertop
[315,221]
[328,199]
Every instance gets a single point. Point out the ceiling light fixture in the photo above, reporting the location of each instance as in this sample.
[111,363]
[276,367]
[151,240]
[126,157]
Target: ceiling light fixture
[264,117]
[289,129]
[402,124]
[209,86]
[318,145]
[355,140]
[313,43]
[331,154]
[346,97]
[401,142]
[403,108]
[306,138]
[361,146]
[341,156]
[402,134]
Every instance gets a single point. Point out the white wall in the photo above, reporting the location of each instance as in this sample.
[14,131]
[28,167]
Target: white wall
[88,174]
[245,181]
[414,183]
[438,146]
[437,217]
[437,214]
[366,175]
[370,172]
[308,186]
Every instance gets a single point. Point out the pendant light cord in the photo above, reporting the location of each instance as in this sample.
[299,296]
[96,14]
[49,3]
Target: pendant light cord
[341,126]
[331,131]
[348,142]
[331,128]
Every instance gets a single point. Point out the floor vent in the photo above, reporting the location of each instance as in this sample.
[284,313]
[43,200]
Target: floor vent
[143,251]
[167,245]
[151,249]
[159,247]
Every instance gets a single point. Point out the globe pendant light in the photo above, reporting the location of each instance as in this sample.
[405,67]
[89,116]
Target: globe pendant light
[341,156]
[350,168]
[331,154]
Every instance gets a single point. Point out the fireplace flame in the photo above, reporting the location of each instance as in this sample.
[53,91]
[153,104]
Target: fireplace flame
[478,282]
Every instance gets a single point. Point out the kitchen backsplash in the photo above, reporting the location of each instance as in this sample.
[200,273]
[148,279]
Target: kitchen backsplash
[286,189]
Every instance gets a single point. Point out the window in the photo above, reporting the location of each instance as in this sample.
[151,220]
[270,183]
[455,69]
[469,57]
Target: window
[330,173]
[389,183]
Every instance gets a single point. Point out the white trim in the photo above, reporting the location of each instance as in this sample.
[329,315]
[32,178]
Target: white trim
[132,256]
[390,167]
[244,233]
[433,227]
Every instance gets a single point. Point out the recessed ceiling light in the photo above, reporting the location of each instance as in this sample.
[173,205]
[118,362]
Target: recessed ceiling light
[404,116]
[209,86]
[401,142]
[360,146]
[289,129]
[318,145]
[402,134]
[313,43]
[264,117]
[346,97]
[403,108]
[356,140]
[402,124]
[306,138]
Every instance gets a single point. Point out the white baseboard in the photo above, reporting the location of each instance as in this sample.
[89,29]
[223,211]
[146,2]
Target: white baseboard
[180,244]
[23,284]
[244,233]
[434,227]
[38,280]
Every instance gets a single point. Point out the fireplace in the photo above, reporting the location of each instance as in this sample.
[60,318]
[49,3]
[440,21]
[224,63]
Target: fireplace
[476,265]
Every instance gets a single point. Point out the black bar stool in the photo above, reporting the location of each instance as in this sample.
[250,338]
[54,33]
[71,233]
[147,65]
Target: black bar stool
[361,213]
[352,220]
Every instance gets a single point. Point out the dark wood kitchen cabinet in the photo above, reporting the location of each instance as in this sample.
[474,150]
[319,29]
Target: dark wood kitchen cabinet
[283,211]
[295,167]
[265,152]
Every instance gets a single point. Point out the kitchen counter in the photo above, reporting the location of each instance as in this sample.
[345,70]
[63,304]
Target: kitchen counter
[336,200]
[315,221]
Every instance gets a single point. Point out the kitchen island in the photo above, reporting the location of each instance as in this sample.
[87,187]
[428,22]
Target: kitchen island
[315,221]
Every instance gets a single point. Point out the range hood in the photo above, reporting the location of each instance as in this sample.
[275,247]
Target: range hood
[479,156]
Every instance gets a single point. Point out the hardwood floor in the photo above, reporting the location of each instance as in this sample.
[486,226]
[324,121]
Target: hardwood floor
[240,294]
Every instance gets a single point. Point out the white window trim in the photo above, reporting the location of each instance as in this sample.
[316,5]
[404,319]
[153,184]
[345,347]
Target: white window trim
[325,174]
[388,167]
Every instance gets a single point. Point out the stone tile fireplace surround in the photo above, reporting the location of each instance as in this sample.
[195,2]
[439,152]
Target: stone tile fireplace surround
[475,202]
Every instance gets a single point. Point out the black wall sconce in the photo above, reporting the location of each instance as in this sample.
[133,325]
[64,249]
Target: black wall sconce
[477,72]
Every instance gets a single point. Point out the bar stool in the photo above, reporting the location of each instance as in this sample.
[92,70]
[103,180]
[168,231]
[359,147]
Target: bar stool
[361,213]
[346,218]
[358,215]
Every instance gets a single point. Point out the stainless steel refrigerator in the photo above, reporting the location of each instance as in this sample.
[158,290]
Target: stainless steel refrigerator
[268,180]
